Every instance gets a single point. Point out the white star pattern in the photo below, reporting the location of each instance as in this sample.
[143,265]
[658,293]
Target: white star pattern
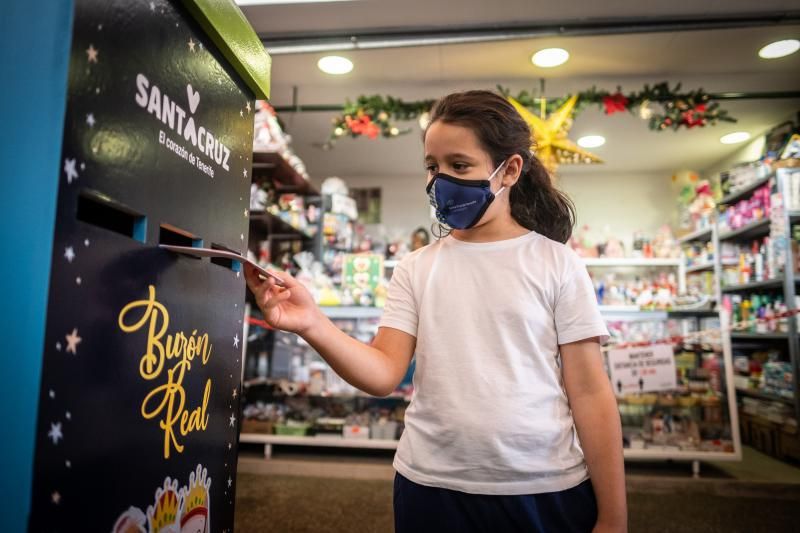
[86,243]
[58,346]
[246,212]
[83,166]
[241,236]
[69,169]
[232,420]
[234,394]
[68,463]
[229,445]
[91,53]
[238,273]
[241,113]
[236,341]
[72,341]
[52,394]
[55,432]
[69,253]
[68,415]
[56,497]
[244,172]
[191,44]
[97,90]
[152,6]
[229,481]
[78,280]
[248,107]
[99,27]
[90,120]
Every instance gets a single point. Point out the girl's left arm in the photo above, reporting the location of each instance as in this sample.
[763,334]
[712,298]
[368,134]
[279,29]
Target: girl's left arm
[597,420]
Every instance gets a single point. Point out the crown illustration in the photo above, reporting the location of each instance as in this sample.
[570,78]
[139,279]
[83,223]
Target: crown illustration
[196,497]
[163,517]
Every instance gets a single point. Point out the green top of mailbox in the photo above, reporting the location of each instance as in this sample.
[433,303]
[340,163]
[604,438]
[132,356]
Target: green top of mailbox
[227,27]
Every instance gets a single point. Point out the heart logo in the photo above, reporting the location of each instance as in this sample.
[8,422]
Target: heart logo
[361,264]
[194,98]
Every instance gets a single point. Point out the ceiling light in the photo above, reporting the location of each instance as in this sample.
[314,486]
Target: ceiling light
[779,49]
[591,141]
[335,65]
[550,57]
[735,137]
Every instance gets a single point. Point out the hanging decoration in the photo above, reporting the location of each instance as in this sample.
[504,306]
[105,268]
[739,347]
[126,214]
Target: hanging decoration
[549,136]
[661,106]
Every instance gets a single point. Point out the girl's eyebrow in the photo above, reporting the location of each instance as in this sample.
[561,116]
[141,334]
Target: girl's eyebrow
[456,155]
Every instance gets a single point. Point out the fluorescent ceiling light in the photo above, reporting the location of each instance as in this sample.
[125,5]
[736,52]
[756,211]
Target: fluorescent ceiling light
[735,137]
[335,65]
[779,49]
[283,2]
[550,57]
[591,141]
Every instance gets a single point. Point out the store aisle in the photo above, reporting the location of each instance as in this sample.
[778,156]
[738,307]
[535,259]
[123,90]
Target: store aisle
[293,504]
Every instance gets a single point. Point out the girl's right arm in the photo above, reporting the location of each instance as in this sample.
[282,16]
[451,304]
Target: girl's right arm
[375,369]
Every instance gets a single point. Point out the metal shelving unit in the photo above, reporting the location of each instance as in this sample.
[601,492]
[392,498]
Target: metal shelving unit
[786,283]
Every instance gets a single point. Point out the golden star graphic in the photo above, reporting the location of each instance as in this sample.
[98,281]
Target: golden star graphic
[549,136]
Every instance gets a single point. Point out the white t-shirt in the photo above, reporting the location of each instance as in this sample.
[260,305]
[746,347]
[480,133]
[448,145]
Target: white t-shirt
[489,413]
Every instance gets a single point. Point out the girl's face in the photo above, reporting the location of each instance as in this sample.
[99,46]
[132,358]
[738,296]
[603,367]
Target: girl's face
[456,151]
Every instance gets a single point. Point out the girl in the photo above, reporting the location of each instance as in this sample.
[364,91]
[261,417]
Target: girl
[505,326]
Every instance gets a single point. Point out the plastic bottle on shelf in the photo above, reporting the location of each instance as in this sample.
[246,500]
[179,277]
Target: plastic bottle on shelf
[759,262]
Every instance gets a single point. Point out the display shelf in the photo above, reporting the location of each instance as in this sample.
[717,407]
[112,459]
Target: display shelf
[352,312]
[752,393]
[391,263]
[754,230]
[324,442]
[700,268]
[630,262]
[743,335]
[794,216]
[681,455]
[738,195]
[701,235]
[754,286]
[678,313]
[286,178]
[275,226]
[630,313]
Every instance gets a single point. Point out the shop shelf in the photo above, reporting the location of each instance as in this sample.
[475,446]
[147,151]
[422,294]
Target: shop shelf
[324,442]
[733,197]
[754,230]
[352,312]
[630,262]
[287,179]
[390,263]
[275,226]
[764,396]
[677,313]
[630,313]
[682,455]
[754,286]
[743,336]
[794,216]
[699,267]
[701,235]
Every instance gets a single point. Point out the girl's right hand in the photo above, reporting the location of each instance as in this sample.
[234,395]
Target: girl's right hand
[289,308]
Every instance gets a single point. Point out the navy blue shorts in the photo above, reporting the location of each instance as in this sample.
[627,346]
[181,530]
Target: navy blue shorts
[421,509]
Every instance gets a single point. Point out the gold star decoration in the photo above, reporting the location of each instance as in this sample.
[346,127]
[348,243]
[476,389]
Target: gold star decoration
[549,136]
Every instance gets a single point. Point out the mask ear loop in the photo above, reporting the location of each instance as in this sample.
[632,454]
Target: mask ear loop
[495,174]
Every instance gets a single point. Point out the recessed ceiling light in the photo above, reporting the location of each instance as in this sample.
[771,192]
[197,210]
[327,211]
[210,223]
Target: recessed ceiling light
[779,49]
[550,57]
[335,65]
[735,137]
[591,141]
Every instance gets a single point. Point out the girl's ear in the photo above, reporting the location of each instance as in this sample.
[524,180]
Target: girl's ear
[512,171]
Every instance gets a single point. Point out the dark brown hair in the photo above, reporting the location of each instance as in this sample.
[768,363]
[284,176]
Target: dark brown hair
[535,203]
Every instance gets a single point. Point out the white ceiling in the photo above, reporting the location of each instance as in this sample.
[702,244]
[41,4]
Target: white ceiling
[717,60]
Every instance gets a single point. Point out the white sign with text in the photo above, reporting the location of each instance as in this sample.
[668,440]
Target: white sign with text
[645,369]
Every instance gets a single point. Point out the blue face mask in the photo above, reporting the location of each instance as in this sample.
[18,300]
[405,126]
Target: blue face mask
[461,203]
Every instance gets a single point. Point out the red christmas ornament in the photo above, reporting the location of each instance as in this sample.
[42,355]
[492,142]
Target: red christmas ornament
[615,103]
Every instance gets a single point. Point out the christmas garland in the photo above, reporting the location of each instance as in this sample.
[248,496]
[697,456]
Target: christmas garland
[661,106]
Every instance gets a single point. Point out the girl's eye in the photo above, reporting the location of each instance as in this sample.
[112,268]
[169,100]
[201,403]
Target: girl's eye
[460,166]
[430,168]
